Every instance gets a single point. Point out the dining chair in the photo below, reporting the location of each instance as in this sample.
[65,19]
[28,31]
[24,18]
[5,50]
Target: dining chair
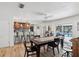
[29,49]
[37,36]
[68,52]
[67,49]
[54,44]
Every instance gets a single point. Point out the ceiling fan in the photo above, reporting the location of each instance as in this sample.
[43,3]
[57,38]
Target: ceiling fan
[21,5]
[45,15]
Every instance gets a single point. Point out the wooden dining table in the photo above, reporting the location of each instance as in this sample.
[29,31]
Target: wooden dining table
[40,42]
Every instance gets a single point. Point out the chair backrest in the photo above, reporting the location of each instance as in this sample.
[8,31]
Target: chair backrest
[25,44]
[33,48]
[56,40]
[37,36]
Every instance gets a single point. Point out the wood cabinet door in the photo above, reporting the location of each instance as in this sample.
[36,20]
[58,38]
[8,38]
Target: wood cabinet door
[75,47]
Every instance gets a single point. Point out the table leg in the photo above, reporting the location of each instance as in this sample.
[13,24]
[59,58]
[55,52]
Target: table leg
[38,51]
[31,43]
[67,53]
[44,48]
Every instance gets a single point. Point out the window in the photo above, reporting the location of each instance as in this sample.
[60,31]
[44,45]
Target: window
[58,30]
[66,30]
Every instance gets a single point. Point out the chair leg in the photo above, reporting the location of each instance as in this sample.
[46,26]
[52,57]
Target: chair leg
[25,53]
[63,54]
[47,47]
[44,48]
[53,51]
[58,49]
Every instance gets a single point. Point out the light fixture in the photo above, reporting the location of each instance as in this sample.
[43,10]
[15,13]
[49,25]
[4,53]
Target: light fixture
[26,26]
[16,25]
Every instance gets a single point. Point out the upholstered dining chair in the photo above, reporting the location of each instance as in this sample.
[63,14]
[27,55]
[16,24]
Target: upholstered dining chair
[29,49]
[54,44]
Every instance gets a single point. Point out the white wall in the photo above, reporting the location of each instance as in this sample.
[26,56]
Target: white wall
[9,12]
[43,27]
[66,21]
[38,31]
[4,33]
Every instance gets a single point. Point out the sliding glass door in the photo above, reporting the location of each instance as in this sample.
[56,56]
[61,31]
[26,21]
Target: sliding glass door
[66,30]
[59,30]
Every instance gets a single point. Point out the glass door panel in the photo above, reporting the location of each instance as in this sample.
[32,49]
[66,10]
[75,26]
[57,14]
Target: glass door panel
[67,30]
[58,30]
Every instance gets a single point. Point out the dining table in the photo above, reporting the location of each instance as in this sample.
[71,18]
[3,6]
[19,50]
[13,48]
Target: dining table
[41,42]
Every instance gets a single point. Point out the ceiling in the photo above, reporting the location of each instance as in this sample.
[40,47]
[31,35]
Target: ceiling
[40,11]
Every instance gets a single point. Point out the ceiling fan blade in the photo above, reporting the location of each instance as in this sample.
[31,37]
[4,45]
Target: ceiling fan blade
[39,13]
[45,15]
[48,16]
